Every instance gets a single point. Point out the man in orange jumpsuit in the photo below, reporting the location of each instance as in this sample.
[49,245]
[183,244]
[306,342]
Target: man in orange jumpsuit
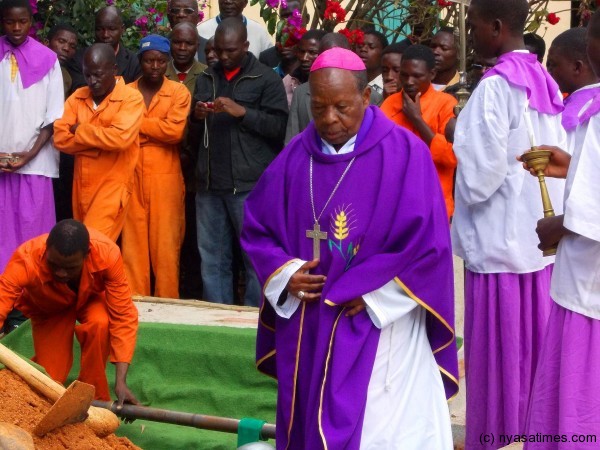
[74,274]
[155,222]
[426,112]
[100,126]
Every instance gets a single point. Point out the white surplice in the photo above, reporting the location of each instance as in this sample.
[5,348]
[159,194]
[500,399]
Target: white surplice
[498,203]
[406,404]
[25,112]
[576,277]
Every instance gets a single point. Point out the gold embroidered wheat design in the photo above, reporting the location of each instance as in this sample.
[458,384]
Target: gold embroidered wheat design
[341,226]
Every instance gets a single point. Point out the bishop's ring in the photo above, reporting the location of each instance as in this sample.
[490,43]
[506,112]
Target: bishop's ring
[300,295]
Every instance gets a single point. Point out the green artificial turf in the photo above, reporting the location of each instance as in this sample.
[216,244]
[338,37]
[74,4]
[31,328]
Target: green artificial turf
[196,369]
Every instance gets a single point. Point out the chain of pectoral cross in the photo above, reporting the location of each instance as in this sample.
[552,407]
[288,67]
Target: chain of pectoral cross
[316,234]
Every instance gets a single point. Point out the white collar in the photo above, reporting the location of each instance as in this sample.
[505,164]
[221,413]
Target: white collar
[348,147]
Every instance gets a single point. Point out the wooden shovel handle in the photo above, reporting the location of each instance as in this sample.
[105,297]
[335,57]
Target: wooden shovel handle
[34,378]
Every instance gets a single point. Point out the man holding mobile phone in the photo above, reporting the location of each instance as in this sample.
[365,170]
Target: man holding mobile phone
[239,117]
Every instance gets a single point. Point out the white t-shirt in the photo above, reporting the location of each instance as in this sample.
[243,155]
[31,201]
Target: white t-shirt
[258,37]
[497,203]
[25,112]
[576,277]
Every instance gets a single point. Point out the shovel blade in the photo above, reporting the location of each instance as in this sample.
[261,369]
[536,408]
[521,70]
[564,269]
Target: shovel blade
[71,407]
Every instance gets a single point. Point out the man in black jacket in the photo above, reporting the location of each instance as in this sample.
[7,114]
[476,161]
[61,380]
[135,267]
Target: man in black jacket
[109,28]
[240,109]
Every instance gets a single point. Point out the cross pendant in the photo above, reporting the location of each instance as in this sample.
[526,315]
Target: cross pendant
[316,235]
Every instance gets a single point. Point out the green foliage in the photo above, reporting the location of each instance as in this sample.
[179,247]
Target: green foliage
[140,17]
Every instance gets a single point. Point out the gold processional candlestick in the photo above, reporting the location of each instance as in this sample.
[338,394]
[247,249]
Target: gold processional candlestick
[538,160]
[462,94]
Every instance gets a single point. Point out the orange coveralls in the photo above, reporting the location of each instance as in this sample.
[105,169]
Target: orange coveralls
[106,147]
[155,221]
[108,319]
[437,108]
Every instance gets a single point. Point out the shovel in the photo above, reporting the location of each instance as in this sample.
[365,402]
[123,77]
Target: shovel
[101,421]
[71,407]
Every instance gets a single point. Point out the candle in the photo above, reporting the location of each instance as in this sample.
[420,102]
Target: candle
[529,126]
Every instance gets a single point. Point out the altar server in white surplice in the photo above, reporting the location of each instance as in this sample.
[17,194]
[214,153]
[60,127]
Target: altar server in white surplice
[507,281]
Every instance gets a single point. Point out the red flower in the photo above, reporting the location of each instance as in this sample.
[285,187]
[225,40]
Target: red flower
[552,19]
[334,11]
[290,36]
[355,37]
[444,3]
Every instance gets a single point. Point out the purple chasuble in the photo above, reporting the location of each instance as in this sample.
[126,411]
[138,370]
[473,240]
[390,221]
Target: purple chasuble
[34,59]
[524,71]
[387,221]
[573,105]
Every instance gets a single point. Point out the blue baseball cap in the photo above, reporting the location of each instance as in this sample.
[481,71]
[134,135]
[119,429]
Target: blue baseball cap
[155,42]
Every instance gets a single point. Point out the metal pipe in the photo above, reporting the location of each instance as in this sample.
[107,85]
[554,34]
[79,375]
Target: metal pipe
[202,421]
[463,37]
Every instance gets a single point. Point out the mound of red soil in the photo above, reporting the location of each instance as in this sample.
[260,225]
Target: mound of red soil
[21,406]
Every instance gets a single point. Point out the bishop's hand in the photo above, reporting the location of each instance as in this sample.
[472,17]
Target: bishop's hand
[304,286]
[355,306]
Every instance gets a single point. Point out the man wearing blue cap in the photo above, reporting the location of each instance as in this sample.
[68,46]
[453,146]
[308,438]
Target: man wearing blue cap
[154,225]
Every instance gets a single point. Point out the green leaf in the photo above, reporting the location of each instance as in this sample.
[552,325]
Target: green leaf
[272,24]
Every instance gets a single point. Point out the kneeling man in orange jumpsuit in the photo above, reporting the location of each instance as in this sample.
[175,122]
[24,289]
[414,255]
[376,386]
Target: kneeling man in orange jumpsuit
[100,126]
[155,221]
[74,274]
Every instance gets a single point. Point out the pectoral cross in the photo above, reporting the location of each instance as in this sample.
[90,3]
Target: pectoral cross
[316,235]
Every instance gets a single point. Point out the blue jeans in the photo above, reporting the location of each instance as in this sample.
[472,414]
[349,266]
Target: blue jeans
[219,218]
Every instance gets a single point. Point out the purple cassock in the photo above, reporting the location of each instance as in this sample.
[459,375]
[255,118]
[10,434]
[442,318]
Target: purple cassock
[387,221]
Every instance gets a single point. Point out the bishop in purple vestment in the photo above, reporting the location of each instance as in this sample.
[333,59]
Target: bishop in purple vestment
[347,231]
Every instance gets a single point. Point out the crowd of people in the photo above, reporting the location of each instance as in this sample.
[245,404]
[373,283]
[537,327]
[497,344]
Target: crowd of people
[327,183]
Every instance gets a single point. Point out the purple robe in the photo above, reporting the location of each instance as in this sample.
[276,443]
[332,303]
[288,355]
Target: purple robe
[524,71]
[393,208]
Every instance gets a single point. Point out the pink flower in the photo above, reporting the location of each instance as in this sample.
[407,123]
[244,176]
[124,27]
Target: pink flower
[552,19]
[295,20]
[141,22]
[273,3]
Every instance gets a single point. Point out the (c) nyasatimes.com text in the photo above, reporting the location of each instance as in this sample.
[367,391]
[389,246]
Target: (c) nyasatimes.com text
[507,439]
